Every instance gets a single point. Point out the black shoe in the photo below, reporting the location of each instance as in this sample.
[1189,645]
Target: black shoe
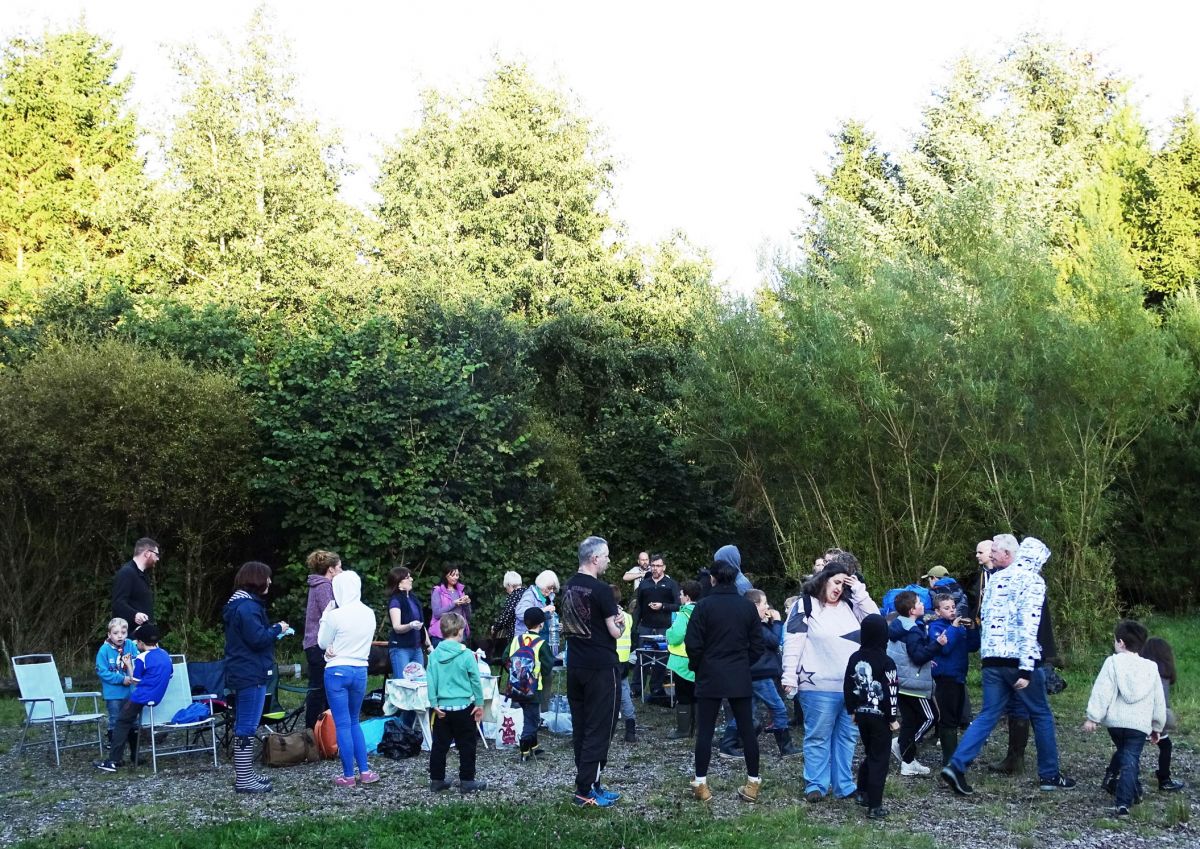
[466,787]
[731,753]
[1060,782]
[861,799]
[106,766]
[1171,785]
[877,814]
[957,781]
[537,753]
[1117,811]
[438,786]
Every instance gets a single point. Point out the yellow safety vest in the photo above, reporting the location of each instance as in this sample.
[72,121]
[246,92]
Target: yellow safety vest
[624,642]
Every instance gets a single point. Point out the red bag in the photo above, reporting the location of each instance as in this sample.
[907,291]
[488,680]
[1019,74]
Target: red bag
[326,736]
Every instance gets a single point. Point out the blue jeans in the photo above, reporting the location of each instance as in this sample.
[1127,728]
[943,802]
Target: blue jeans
[402,657]
[998,692]
[830,736]
[247,709]
[627,711]
[114,712]
[345,687]
[1124,763]
[766,694]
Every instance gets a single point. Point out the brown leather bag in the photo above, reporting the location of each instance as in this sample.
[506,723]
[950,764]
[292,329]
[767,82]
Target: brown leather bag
[325,734]
[290,749]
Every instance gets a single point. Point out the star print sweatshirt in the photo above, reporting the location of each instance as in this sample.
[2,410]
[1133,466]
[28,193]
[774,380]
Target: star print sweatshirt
[818,642]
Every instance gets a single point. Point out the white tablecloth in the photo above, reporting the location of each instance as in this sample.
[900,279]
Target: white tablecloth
[400,695]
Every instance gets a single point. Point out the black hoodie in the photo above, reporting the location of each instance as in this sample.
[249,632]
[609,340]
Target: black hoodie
[871,684]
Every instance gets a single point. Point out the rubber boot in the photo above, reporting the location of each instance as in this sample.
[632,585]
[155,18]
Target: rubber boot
[684,723]
[728,747]
[783,738]
[243,766]
[631,731]
[1018,739]
[948,738]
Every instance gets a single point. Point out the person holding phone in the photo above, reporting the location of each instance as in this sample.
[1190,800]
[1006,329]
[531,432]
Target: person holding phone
[449,596]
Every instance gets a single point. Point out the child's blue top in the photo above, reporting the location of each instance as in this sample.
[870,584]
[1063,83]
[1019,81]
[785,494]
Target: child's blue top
[153,669]
[111,672]
[951,659]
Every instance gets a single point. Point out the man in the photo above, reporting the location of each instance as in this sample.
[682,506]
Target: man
[939,581]
[132,597]
[591,624]
[983,556]
[657,599]
[1012,611]
[639,571]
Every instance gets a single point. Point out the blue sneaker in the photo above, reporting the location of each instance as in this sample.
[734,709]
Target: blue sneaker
[591,800]
[601,792]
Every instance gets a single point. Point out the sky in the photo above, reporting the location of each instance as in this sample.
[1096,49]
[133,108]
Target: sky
[718,114]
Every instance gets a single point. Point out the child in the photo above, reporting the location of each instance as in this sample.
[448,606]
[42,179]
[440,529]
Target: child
[872,699]
[677,662]
[767,670]
[151,673]
[950,669]
[797,720]
[525,684]
[1127,699]
[624,643]
[911,647]
[114,666]
[456,696]
[1159,650]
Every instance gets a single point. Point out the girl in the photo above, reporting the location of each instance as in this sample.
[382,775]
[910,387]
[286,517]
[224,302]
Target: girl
[1159,650]
[344,634]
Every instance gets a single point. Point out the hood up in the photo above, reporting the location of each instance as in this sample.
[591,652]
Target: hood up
[1032,554]
[347,589]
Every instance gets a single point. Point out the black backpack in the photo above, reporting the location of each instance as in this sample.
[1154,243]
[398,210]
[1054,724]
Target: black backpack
[400,741]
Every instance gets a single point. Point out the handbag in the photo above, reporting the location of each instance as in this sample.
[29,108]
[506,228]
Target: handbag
[290,749]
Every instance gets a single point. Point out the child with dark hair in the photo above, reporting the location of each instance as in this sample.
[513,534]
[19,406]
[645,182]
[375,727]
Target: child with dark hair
[1159,650]
[152,671]
[624,668]
[1127,699]
[872,700]
[537,676]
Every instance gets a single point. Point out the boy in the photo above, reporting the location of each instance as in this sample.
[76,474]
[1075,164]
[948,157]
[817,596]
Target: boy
[871,697]
[912,649]
[151,673]
[766,671]
[624,645]
[1127,699]
[529,663]
[114,668]
[950,669]
[456,696]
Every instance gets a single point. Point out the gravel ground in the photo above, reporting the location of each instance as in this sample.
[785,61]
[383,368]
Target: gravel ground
[38,799]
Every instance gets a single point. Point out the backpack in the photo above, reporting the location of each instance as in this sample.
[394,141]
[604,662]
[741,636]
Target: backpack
[400,741]
[889,598]
[326,735]
[524,667]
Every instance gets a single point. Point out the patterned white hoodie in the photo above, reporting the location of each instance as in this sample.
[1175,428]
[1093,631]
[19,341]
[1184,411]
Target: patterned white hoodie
[1012,610]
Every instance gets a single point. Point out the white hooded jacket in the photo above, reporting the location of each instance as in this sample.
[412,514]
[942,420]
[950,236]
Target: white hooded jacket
[1012,608]
[346,631]
[1128,694]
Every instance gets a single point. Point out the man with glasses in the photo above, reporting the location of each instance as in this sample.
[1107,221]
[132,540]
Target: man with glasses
[132,597]
[657,599]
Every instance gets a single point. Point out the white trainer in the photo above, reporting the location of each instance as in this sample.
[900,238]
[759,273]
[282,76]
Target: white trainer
[914,768]
[896,750]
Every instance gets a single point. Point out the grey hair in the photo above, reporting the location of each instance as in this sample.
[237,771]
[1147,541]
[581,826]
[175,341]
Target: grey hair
[1005,542]
[512,579]
[589,547]
[546,580]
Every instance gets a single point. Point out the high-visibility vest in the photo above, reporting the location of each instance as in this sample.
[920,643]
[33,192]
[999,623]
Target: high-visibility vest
[625,641]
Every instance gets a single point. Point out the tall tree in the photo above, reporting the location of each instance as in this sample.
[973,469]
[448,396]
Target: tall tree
[1167,244]
[69,168]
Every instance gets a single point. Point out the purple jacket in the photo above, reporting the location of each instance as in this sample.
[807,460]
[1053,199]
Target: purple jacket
[320,593]
[442,601]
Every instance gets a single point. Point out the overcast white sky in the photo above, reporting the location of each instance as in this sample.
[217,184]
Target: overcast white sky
[719,113]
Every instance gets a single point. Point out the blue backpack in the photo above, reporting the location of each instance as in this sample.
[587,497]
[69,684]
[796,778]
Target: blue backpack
[889,598]
[525,667]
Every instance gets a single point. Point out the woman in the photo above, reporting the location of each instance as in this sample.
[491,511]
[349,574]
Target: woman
[723,640]
[503,628]
[822,630]
[249,662]
[406,636]
[541,594]
[322,567]
[347,627]
[677,662]
[449,596]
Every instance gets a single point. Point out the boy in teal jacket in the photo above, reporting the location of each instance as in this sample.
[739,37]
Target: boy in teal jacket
[456,696]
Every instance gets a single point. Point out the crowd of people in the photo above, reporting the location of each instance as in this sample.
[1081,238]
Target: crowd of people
[895,683]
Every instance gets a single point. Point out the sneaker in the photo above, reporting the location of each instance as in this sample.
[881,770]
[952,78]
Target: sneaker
[465,787]
[537,753]
[896,750]
[601,791]
[877,814]
[860,799]
[814,796]
[1171,785]
[1059,782]
[956,780]
[1117,811]
[591,800]
[368,777]
[437,786]
[344,781]
[913,768]
[526,757]
[105,766]
[731,753]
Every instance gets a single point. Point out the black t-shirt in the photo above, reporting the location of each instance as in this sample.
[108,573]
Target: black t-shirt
[584,605]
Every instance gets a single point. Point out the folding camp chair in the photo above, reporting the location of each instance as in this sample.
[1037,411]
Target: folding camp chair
[45,703]
[207,678]
[179,696]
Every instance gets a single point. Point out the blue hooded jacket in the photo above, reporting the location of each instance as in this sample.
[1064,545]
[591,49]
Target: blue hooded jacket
[730,554]
[249,641]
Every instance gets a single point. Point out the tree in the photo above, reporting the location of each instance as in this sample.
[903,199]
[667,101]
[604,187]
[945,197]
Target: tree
[70,175]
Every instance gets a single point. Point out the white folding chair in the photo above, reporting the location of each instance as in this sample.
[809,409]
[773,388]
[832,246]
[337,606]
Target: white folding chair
[45,703]
[177,697]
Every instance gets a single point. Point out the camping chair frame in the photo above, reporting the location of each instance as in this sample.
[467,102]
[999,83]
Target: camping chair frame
[179,696]
[45,703]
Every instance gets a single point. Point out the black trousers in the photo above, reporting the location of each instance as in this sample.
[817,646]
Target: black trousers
[594,697]
[951,699]
[315,702]
[876,737]
[917,717]
[128,721]
[706,721]
[459,726]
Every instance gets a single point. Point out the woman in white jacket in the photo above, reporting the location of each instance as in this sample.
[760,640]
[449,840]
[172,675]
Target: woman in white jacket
[345,633]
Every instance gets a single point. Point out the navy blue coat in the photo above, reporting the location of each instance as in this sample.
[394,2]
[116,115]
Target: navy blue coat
[249,642]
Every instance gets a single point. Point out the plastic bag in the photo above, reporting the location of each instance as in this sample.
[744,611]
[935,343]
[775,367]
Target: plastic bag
[509,726]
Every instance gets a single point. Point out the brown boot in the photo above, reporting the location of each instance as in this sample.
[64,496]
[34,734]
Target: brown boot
[701,791]
[748,792]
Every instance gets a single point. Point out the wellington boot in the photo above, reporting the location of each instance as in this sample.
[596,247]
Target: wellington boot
[1018,739]
[783,739]
[948,737]
[684,723]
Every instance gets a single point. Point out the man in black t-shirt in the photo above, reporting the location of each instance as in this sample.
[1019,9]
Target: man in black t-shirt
[591,624]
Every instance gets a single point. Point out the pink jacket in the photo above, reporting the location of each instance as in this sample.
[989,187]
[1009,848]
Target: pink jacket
[441,600]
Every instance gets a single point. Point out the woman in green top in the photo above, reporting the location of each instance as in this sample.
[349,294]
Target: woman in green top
[677,662]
